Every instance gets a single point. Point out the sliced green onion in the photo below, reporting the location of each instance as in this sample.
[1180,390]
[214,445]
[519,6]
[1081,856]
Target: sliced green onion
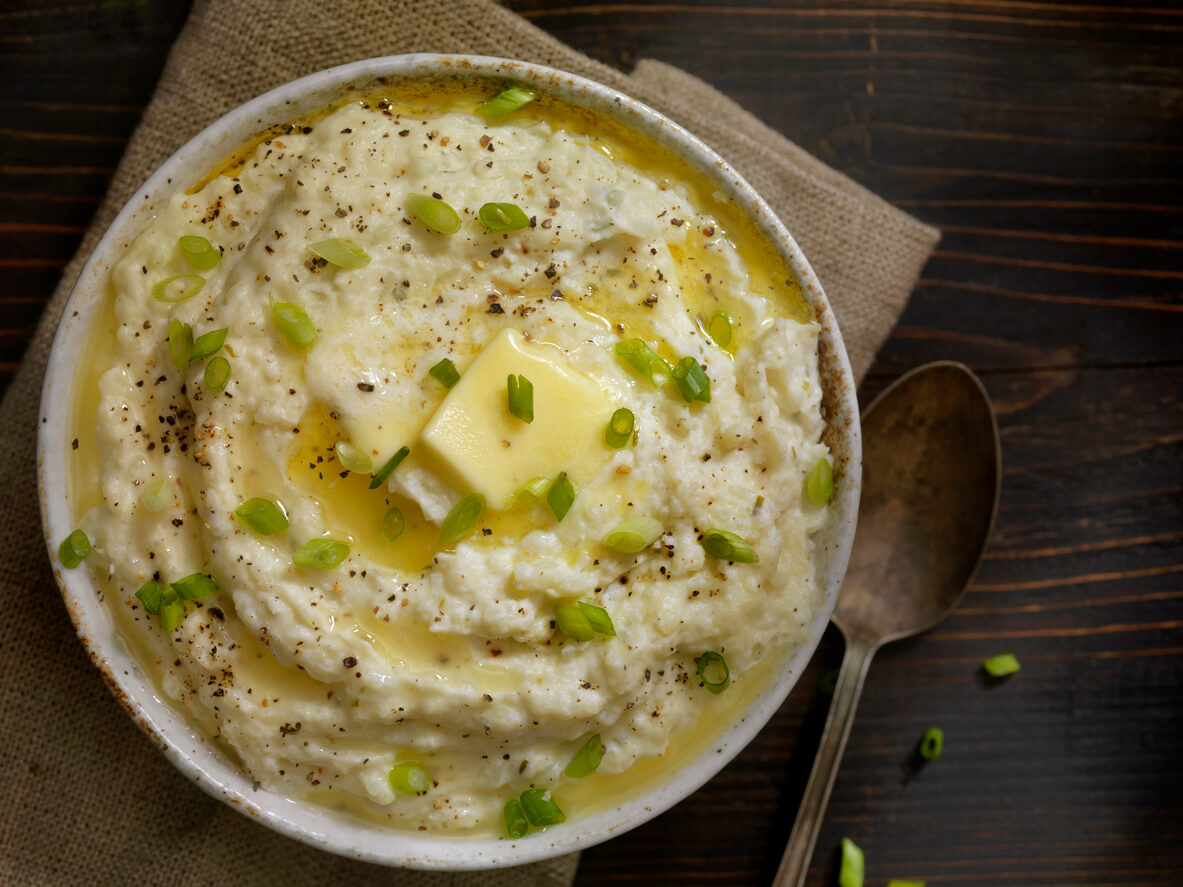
[520,397]
[180,343]
[931,743]
[74,549]
[516,825]
[598,619]
[151,596]
[353,459]
[445,373]
[638,355]
[339,252]
[828,682]
[294,322]
[540,808]
[159,494]
[819,483]
[320,554]
[263,516]
[194,587]
[392,463]
[719,328]
[199,252]
[433,213]
[727,546]
[172,609]
[620,428]
[502,217]
[850,873]
[208,343]
[573,622]
[1001,665]
[509,100]
[217,374]
[635,534]
[393,524]
[410,778]
[895,883]
[587,759]
[465,515]
[535,487]
[692,380]
[177,289]
[560,496]
[712,668]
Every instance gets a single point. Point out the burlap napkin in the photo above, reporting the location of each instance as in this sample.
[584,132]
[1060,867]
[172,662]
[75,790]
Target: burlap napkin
[89,800]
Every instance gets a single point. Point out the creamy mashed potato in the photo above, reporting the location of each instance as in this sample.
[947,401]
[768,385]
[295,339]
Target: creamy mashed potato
[448,654]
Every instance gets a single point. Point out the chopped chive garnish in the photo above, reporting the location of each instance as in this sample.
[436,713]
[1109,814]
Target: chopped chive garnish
[353,459]
[159,494]
[635,534]
[819,483]
[433,213]
[263,516]
[828,682]
[520,397]
[392,463]
[180,343]
[410,778]
[895,883]
[931,743]
[1001,665]
[445,373]
[294,322]
[727,546]
[638,355]
[692,380]
[587,759]
[217,374]
[712,668]
[560,496]
[177,289]
[508,100]
[598,619]
[393,524]
[465,515]
[502,217]
[540,808]
[719,328]
[573,622]
[172,609]
[516,825]
[339,252]
[320,554]
[74,549]
[620,428]
[194,587]
[208,343]
[151,596]
[535,487]
[199,252]
[850,873]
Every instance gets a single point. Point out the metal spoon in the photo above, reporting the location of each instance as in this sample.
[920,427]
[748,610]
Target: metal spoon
[931,474]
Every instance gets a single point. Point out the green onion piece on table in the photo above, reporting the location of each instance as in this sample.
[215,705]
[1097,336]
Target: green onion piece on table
[465,515]
[159,494]
[634,535]
[719,328]
[508,100]
[598,619]
[172,609]
[410,778]
[931,743]
[540,808]
[339,252]
[519,393]
[573,622]
[352,458]
[1001,665]
[727,546]
[712,668]
[560,496]
[637,354]
[445,373]
[208,343]
[894,883]
[177,289]
[692,380]
[433,213]
[180,343]
[392,463]
[194,587]
[151,596]
[217,374]
[320,554]
[263,516]
[620,428]
[516,825]
[502,217]
[587,759]
[850,873]
[819,483]
[74,549]
[199,252]
[393,523]
[295,324]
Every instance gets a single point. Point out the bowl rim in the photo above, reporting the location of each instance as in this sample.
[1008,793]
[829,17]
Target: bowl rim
[200,760]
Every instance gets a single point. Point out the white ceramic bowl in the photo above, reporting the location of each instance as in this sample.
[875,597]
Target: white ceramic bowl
[201,760]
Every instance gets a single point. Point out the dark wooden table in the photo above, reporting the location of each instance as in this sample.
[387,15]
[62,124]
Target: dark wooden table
[1046,140]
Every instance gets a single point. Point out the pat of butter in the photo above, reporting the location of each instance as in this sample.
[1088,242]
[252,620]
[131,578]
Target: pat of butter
[491,451]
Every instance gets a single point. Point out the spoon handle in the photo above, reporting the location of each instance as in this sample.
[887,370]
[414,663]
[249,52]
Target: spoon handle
[849,686]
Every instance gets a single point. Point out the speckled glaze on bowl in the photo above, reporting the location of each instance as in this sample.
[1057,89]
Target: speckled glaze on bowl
[197,757]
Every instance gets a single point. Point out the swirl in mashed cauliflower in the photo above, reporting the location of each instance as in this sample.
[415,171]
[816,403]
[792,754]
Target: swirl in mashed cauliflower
[319,681]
